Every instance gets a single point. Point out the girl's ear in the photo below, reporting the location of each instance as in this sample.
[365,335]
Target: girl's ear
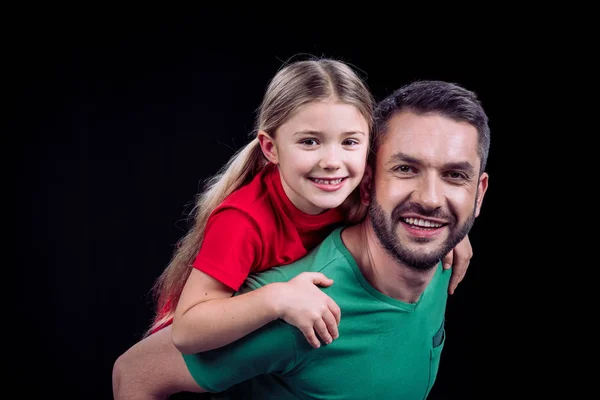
[267,145]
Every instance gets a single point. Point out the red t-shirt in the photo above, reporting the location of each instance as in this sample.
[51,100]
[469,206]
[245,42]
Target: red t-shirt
[257,227]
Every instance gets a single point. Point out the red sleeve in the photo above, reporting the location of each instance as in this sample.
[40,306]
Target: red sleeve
[230,249]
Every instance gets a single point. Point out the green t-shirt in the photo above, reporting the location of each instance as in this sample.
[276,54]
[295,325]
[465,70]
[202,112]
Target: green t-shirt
[386,348]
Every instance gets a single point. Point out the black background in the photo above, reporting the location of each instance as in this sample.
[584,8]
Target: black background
[120,121]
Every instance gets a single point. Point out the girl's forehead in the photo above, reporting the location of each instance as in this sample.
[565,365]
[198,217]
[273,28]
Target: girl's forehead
[327,117]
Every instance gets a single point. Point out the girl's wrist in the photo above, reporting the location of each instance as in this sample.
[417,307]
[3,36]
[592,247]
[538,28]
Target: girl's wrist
[272,295]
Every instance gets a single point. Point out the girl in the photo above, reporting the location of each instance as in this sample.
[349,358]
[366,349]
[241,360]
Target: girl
[274,201]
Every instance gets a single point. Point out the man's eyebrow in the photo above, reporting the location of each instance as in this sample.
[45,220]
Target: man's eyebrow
[400,156]
[459,165]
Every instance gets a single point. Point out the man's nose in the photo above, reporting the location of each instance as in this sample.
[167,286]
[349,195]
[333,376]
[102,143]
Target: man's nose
[429,192]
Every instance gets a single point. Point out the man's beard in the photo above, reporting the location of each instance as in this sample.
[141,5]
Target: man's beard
[385,230]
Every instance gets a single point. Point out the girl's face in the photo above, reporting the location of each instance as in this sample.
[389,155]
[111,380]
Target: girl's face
[321,152]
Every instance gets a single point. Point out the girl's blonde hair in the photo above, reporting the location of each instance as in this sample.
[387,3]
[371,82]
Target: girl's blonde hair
[293,86]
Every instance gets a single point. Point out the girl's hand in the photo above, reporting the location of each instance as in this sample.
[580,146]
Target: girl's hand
[302,304]
[460,256]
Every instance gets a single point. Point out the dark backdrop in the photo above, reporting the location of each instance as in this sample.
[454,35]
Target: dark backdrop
[121,120]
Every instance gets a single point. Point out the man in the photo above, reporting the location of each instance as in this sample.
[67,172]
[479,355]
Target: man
[424,185]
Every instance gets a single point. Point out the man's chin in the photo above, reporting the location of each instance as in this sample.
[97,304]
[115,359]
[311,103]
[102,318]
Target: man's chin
[416,259]
[424,264]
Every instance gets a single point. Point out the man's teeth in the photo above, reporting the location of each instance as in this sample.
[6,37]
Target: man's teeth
[421,222]
[328,181]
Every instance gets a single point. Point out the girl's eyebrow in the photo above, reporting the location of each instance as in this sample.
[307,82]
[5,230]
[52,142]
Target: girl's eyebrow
[319,133]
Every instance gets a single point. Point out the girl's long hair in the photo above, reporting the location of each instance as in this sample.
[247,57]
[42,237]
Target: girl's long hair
[294,85]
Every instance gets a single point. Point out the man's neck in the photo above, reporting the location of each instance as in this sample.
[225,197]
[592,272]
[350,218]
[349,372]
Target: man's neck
[386,274]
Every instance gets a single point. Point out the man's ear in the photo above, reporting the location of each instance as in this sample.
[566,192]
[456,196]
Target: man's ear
[267,145]
[366,185]
[481,189]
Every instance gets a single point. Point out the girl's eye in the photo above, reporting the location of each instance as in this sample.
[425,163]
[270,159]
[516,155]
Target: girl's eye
[309,142]
[350,142]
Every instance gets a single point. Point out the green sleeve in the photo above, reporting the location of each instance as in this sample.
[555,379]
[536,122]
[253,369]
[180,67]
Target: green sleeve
[270,349]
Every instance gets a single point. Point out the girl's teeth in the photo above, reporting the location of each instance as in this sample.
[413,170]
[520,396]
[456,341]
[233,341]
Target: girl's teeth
[327,182]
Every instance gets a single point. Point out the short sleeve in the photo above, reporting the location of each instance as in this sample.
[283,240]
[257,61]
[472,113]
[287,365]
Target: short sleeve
[231,247]
[270,349]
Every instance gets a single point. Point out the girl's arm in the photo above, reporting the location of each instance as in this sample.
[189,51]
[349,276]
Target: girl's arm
[208,317]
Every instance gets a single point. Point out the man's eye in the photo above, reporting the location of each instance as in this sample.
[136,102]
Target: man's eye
[403,168]
[456,175]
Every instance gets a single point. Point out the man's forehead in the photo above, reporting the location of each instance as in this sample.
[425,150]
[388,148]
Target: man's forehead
[431,136]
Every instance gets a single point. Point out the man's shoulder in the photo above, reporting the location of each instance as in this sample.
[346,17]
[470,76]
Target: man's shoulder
[323,257]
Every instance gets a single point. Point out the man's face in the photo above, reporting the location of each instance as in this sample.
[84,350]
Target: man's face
[426,190]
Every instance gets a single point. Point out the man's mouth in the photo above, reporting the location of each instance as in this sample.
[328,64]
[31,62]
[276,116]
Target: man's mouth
[422,223]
